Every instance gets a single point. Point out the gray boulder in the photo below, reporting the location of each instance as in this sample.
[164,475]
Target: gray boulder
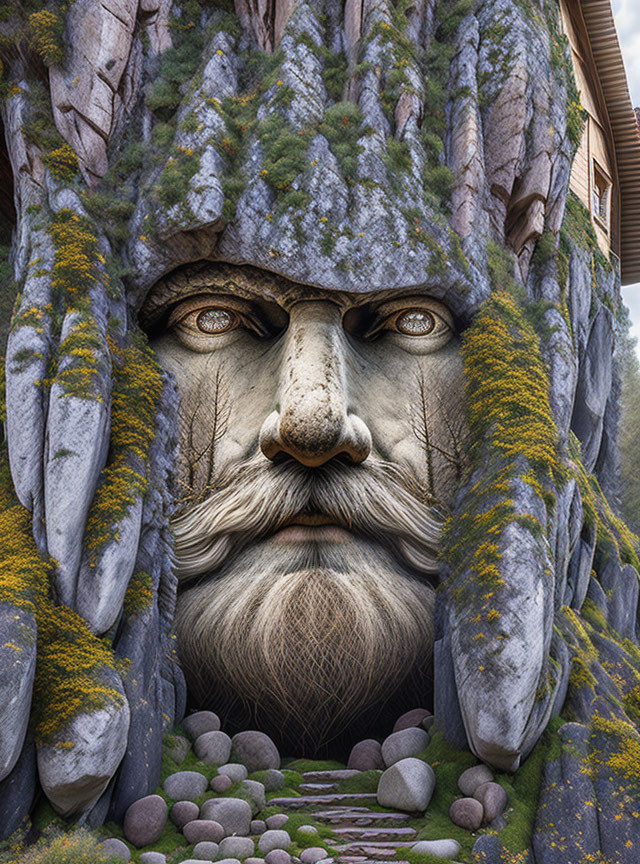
[233,814]
[437,848]
[258,826]
[113,847]
[144,820]
[205,850]
[236,847]
[276,821]
[415,717]
[466,813]
[183,812]
[213,748]
[278,856]
[185,785]
[234,771]
[366,756]
[200,830]
[255,792]
[221,783]
[197,724]
[273,780]
[255,750]
[176,747]
[313,854]
[493,799]
[400,745]
[274,839]
[153,858]
[17,671]
[407,785]
[474,777]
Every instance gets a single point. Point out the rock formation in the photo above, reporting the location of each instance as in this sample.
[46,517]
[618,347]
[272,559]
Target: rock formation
[366,145]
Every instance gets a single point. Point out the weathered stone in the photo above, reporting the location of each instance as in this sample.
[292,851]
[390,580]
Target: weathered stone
[312,855]
[115,848]
[205,850]
[258,826]
[278,856]
[255,792]
[273,780]
[407,785]
[400,745]
[213,748]
[153,858]
[185,785]
[234,771]
[17,672]
[472,778]
[466,813]
[221,783]
[307,829]
[274,840]
[437,848]
[176,748]
[233,814]
[366,756]
[255,750]
[276,821]
[411,718]
[236,847]
[17,792]
[144,821]
[199,830]
[183,812]
[493,799]
[197,724]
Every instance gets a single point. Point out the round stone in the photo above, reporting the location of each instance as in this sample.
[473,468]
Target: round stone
[408,785]
[185,785]
[366,756]
[273,780]
[236,847]
[205,850]
[221,783]
[466,813]
[313,854]
[278,856]
[493,799]
[254,861]
[255,750]
[176,747]
[203,829]
[236,772]
[115,848]
[470,779]
[183,812]
[415,322]
[437,848]
[153,858]
[213,748]
[276,821]
[403,744]
[258,826]
[255,792]
[215,320]
[228,861]
[233,814]
[274,840]
[414,717]
[144,820]
[307,829]
[197,724]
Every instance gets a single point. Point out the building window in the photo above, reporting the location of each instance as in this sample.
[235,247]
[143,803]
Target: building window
[601,197]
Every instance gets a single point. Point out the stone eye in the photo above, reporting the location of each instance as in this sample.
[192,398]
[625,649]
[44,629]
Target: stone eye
[415,322]
[217,320]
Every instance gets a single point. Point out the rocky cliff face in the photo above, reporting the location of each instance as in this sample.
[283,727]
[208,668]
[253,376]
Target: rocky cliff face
[352,147]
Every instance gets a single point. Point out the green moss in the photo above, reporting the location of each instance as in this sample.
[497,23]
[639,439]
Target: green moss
[342,127]
[303,765]
[172,186]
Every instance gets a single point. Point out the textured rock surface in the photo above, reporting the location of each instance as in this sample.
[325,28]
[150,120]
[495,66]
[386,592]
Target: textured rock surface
[407,785]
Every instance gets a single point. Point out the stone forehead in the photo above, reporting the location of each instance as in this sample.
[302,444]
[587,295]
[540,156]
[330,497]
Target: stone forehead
[248,282]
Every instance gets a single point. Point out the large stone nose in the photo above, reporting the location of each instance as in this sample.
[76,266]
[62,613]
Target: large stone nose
[314,423]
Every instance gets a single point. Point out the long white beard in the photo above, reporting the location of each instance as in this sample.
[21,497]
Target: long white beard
[307,635]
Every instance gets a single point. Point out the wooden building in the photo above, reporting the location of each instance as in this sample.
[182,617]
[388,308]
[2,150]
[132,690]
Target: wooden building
[606,169]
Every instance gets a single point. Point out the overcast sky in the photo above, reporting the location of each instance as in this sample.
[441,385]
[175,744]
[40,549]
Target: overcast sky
[627,14]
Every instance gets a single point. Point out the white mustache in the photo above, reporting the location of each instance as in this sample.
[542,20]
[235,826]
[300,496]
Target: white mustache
[258,498]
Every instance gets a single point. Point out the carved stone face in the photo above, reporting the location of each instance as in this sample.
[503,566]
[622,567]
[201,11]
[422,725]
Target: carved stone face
[321,440]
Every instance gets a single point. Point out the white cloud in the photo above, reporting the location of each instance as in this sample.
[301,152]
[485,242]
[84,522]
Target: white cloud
[627,18]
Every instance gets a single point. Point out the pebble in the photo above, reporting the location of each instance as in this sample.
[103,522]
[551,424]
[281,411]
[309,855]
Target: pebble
[144,820]
[233,814]
[407,785]
[153,858]
[255,750]
[427,723]
[258,826]
[278,856]
[470,779]
[308,829]
[236,847]
[234,771]
[197,724]
[183,812]
[274,840]
[196,861]
[493,799]
[277,820]
[203,829]
[313,854]
[466,813]
[213,748]
[411,718]
[254,861]
[221,783]
[177,747]
[256,793]
[437,848]
[185,785]
[115,848]
[366,756]
[273,780]
[205,850]
[403,744]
